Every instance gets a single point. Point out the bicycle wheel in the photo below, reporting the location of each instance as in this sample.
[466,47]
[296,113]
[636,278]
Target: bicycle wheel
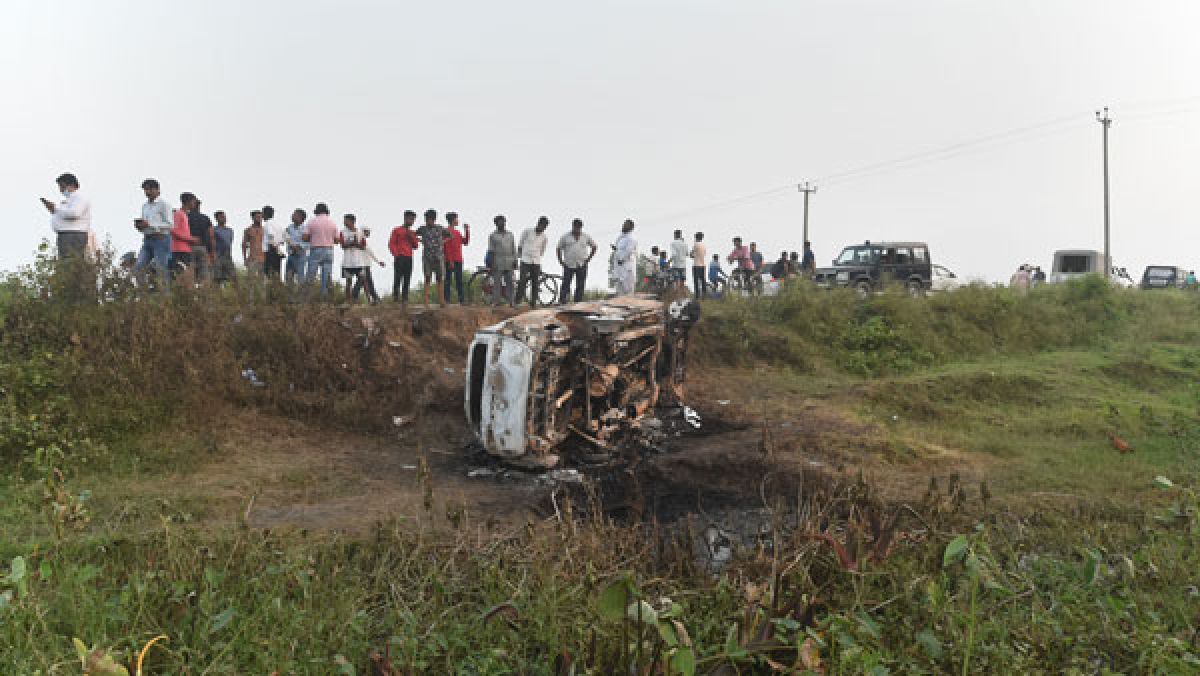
[482,281]
[547,292]
[756,284]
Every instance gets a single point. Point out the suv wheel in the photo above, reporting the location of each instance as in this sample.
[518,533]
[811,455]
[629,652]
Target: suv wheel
[863,287]
[915,288]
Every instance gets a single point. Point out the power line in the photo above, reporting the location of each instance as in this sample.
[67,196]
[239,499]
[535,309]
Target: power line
[1018,134]
[1009,135]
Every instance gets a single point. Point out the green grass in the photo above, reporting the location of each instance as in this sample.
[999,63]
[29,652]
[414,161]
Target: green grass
[1081,564]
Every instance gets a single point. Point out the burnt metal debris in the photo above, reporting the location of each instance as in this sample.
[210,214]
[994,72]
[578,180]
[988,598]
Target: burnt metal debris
[590,371]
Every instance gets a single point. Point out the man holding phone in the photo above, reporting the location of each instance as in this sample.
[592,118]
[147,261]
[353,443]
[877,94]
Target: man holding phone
[155,226]
[71,218]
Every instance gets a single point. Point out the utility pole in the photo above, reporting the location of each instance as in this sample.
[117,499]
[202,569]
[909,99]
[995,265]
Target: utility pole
[807,190]
[1106,122]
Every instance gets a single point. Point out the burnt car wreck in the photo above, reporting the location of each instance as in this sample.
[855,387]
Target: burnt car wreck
[588,371]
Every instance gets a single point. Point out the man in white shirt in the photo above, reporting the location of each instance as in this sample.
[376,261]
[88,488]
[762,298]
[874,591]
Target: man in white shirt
[530,251]
[625,260]
[699,254]
[575,251]
[678,259]
[155,226]
[71,218]
[354,256]
[273,243]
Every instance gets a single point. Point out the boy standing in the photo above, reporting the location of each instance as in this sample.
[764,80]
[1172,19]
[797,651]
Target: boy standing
[402,243]
[433,255]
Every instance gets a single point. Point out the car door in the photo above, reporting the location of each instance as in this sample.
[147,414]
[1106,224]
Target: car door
[922,266]
[905,265]
[887,266]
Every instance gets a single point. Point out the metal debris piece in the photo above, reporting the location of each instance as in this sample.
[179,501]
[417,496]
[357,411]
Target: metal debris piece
[722,402]
[691,417]
[402,420]
[562,476]
[481,472]
[718,546]
[252,377]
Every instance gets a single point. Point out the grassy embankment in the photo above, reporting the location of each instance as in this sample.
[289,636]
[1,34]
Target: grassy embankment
[1079,563]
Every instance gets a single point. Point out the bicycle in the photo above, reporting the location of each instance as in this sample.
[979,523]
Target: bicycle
[747,281]
[547,287]
[659,282]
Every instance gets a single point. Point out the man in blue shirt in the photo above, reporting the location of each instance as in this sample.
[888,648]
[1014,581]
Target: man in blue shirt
[223,268]
[297,248]
[715,273]
[809,264]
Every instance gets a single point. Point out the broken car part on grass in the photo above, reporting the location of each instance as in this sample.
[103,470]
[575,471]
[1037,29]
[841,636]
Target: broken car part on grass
[589,370]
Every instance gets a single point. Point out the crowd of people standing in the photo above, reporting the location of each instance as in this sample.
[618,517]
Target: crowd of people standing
[184,244]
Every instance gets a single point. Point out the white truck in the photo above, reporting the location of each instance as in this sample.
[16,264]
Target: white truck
[1074,263]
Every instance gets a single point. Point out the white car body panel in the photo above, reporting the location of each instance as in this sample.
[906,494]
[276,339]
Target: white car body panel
[503,402]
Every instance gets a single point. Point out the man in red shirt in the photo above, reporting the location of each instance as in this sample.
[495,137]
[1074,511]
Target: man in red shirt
[453,247]
[402,243]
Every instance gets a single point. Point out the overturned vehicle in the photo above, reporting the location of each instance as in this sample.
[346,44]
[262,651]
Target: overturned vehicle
[589,370]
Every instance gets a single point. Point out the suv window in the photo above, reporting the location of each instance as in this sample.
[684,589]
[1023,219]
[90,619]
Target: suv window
[904,256]
[1074,264]
[1160,273]
[920,254]
[858,255]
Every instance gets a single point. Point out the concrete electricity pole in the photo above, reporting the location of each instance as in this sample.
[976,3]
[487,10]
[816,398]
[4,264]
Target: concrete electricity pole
[1106,122]
[807,190]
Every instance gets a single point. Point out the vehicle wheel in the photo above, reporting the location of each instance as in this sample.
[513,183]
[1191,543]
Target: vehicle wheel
[483,282]
[915,288]
[863,287]
[548,290]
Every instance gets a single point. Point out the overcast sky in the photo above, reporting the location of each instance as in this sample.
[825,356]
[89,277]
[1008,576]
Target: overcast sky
[647,109]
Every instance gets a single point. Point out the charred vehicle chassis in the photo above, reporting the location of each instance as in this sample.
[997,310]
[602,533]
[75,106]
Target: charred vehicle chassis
[589,370]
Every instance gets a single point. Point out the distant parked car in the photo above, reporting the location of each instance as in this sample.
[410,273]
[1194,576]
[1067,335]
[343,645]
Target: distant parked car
[870,266]
[1163,277]
[944,279]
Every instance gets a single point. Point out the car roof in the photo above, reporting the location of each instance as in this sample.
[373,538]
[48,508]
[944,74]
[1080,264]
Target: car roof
[890,244]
